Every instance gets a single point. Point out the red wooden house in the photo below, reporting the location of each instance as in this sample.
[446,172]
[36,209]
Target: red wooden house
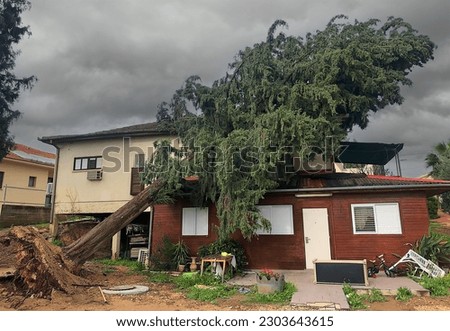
[329,216]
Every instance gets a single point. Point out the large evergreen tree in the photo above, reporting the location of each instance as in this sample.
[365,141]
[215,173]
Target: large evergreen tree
[280,99]
[11,32]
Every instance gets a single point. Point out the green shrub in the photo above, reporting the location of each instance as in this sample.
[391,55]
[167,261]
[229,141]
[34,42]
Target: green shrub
[162,258]
[434,247]
[445,205]
[433,205]
[354,300]
[282,297]
[229,246]
[403,294]
[436,286]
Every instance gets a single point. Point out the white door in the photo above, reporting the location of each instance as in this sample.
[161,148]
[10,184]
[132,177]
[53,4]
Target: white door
[317,235]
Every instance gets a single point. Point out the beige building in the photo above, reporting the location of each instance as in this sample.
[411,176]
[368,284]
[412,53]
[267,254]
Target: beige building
[25,177]
[97,173]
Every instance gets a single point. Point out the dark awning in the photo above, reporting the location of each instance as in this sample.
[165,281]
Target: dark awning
[367,153]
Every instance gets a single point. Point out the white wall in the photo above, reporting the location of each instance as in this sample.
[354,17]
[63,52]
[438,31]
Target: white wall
[76,194]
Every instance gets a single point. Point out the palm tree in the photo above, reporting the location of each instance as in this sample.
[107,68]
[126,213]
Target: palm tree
[436,160]
[440,164]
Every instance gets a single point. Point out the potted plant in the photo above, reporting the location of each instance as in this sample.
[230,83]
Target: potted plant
[180,255]
[268,281]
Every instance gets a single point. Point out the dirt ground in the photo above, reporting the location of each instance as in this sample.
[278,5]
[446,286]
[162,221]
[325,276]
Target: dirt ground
[165,297]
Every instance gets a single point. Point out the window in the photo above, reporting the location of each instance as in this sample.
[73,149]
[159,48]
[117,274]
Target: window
[31,181]
[139,161]
[89,162]
[380,218]
[2,174]
[280,217]
[195,222]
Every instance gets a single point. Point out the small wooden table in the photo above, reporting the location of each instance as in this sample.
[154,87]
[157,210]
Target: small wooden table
[218,258]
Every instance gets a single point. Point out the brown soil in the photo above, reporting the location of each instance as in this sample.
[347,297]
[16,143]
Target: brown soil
[159,297]
[162,297]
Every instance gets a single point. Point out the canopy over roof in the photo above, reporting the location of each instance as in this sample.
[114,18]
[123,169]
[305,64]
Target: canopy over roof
[367,153]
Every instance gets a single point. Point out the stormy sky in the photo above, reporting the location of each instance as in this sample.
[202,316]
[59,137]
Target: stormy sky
[103,64]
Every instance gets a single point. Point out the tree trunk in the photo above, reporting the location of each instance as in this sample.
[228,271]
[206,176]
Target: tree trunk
[85,247]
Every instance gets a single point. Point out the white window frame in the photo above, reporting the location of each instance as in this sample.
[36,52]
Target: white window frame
[199,229]
[85,162]
[378,218]
[269,215]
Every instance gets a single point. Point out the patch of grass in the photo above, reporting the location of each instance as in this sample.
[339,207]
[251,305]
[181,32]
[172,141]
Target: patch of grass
[283,297]
[403,294]
[133,265]
[374,295]
[188,280]
[436,286]
[160,277]
[210,294]
[204,287]
[355,300]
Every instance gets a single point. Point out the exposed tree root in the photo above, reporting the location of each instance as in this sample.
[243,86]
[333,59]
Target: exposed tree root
[40,266]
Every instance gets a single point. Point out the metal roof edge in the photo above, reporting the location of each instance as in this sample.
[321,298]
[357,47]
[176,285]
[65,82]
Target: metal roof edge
[362,188]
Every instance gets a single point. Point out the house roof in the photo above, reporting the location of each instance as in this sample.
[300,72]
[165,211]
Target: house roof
[367,153]
[145,129]
[334,182]
[29,154]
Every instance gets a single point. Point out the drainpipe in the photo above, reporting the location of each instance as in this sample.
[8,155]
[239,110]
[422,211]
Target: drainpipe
[53,220]
[150,231]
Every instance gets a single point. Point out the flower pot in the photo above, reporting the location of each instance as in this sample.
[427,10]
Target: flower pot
[267,286]
[193,266]
[181,267]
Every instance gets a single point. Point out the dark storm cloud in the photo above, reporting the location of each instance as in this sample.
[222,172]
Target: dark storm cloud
[103,64]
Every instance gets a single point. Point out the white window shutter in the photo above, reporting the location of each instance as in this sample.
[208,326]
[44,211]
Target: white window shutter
[188,222]
[388,218]
[202,222]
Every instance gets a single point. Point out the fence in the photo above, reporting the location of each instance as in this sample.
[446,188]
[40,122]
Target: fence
[23,205]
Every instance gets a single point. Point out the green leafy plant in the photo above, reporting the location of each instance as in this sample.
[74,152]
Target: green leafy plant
[433,205]
[269,274]
[434,247]
[282,297]
[229,246]
[355,300]
[403,294]
[374,295]
[180,253]
[436,286]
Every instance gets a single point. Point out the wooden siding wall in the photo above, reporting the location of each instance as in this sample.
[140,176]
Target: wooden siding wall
[288,251]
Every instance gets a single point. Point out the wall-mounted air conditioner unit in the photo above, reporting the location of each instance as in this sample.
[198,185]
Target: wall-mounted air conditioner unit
[94,175]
